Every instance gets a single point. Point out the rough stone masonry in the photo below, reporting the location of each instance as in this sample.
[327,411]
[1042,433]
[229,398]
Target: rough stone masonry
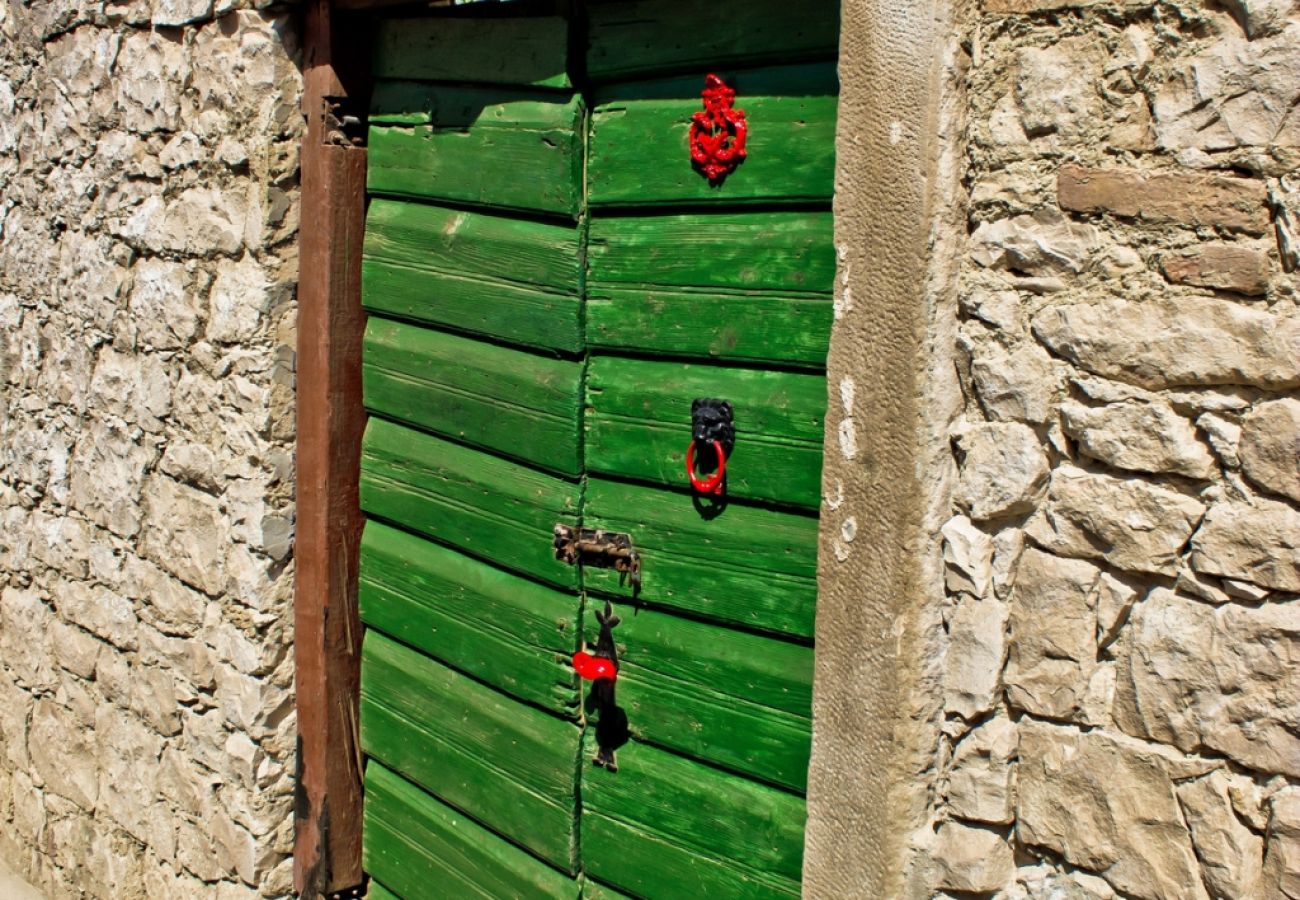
[1121,675]
[148,178]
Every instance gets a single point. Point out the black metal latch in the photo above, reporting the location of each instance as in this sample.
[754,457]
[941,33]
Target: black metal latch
[601,549]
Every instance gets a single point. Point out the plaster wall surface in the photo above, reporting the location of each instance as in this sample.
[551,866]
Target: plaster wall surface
[148,213]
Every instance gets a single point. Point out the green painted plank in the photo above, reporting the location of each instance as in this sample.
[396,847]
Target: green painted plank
[750,566]
[425,849]
[523,50]
[515,403]
[487,147]
[377,891]
[722,326]
[638,152]
[508,765]
[786,253]
[592,890]
[512,633]
[491,508]
[639,425]
[449,267]
[635,38]
[667,827]
[737,700]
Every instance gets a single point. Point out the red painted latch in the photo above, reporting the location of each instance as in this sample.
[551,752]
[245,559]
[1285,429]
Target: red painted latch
[593,668]
[718,131]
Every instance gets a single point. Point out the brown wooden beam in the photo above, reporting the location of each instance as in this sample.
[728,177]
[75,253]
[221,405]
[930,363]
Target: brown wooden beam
[327,632]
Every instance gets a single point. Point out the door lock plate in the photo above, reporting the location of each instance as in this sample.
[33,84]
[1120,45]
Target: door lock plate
[600,549]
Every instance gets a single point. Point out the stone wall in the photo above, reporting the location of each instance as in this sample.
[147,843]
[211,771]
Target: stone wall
[1122,670]
[148,179]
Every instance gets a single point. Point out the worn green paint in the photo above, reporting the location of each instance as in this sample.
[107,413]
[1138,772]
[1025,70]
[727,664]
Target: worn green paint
[448,267]
[512,402]
[592,890]
[424,848]
[525,51]
[471,746]
[736,700]
[506,631]
[638,151]
[492,508]
[666,827]
[746,566]
[481,146]
[648,36]
[639,425]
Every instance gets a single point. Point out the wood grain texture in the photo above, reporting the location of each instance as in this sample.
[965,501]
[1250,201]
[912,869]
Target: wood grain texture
[647,36]
[512,402]
[491,508]
[787,253]
[593,890]
[524,51]
[749,566]
[737,700]
[504,630]
[508,764]
[511,279]
[638,151]
[667,827]
[424,848]
[377,891]
[638,425]
[488,147]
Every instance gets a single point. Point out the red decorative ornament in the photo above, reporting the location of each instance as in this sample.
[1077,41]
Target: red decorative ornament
[594,668]
[718,131]
[712,484]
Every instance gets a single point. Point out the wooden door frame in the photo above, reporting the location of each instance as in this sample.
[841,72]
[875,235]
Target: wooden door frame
[897,200]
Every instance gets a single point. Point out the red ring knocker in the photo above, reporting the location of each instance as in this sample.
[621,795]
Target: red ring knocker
[712,484]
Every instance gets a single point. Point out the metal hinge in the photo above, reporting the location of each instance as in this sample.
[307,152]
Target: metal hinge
[601,549]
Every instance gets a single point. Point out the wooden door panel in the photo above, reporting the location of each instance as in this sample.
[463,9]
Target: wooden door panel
[424,848]
[515,403]
[667,827]
[638,425]
[651,36]
[513,280]
[491,508]
[638,152]
[526,51]
[506,631]
[736,700]
[747,566]
[494,147]
[510,765]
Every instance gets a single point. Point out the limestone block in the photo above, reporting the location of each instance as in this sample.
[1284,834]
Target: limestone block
[1016,385]
[1176,342]
[1139,436]
[196,851]
[1231,854]
[967,556]
[128,764]
[1045,243]
[1198,676]
[149,100]
[1024,7]
[238,301]
[202,221]
[90,280]
[164,306]
[1282,865]
[1001,309]
[1106,805]
[1183,198]
[1003,472]
[1114,600]
[107,477]
[25,623]
[186,533]
[161,599]
[1131,524]
[174,13]
[74,649]
[1044,883]
[1008,545]
[1053,643]
[1262,17]
[64,755]
[1257,543]
[1240,268]
[972,859]
[1234,91]
[1224,436]
[250,704]
[976,651]
[98,610]
[980,781]
[1056,87]
[1270,447]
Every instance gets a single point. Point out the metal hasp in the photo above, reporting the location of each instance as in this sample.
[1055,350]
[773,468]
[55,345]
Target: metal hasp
[611,719]
[601,549]
[713,428]
[718,131]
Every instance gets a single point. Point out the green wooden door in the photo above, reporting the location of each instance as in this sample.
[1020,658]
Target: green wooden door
[550,283]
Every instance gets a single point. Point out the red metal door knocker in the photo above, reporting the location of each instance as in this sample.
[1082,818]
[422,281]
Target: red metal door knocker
[718,131]
[712,424]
